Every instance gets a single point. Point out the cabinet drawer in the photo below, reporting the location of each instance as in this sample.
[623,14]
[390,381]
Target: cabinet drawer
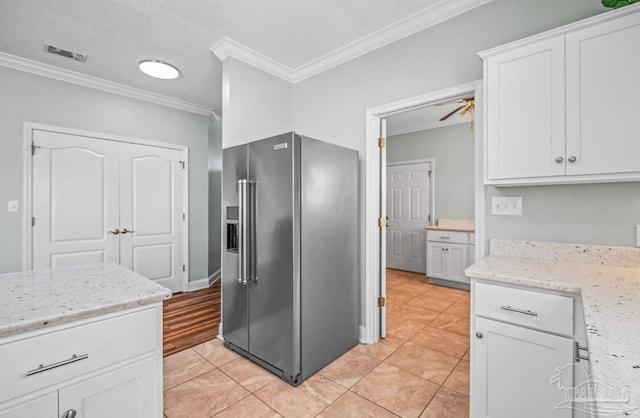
[447,236]
[542,311]
[105,341]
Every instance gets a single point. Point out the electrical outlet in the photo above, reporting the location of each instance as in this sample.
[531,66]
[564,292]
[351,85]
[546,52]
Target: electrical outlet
[12,206]
[506,205]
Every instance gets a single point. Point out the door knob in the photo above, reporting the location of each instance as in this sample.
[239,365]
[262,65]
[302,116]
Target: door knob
[70,414]
[114,232]
[125,230]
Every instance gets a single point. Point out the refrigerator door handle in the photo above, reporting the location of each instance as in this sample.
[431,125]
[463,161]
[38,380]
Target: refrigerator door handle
[242,231]
[253,253]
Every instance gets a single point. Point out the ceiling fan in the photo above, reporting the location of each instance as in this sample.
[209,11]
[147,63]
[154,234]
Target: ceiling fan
[467,106]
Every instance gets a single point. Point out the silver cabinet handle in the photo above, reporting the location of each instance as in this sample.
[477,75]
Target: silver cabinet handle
[71,413]
[572,159]
[559,160]
[44,368]
[522,311]
[479,334]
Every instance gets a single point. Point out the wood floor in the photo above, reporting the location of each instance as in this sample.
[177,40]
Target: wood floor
[191,318]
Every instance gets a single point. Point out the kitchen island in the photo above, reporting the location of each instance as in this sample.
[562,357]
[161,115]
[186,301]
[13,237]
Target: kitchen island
[605,282]
[80,339]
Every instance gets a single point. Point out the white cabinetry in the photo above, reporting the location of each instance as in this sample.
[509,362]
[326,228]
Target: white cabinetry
[109,365]
[448,255]
[520,340]
[556,112]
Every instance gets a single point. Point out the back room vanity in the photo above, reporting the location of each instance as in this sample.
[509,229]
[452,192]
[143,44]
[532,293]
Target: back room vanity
[81,340]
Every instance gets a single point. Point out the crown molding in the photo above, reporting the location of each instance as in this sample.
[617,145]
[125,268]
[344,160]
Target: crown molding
[227,47]
[57,73]
[425,126]
[213,116]
[430,16]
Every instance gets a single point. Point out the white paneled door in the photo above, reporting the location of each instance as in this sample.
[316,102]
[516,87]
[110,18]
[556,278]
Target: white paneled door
[408,210]
[97,200]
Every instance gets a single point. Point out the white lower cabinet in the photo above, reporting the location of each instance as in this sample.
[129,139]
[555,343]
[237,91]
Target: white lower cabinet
[523,348]
[448,255]
[515,372]
[129,391]
[103,367]
[45,406]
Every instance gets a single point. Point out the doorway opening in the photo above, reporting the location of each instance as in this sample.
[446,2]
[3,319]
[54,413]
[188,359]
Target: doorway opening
[376,192]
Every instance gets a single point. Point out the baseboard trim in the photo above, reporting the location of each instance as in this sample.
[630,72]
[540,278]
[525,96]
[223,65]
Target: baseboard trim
[362,334]
[203,283]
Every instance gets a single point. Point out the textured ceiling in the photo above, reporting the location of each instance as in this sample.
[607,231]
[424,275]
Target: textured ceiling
[117,34]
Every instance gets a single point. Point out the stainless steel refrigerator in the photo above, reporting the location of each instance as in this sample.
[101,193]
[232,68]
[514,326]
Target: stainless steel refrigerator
[289,272]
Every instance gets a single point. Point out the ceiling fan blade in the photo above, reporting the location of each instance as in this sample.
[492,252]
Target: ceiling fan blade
[451,113]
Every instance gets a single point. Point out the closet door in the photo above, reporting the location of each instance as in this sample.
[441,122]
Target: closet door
[151,216]
[75,200]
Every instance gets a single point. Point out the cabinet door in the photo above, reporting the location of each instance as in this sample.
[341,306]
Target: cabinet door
[518,372]
[435,260]
[525,115]
[42,407]
[456,262]
[603,87]
[132,391]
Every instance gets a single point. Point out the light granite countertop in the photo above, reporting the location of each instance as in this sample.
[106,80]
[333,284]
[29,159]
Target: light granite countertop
[607,279]
[460,225]
[36,299]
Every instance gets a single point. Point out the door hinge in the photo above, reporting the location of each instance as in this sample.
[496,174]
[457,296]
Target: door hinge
[182,163]
[381,302]
[381,222]
[184,268]
[429,217]
[33,148]
[33,221]
[184,217]
[382,142]
[430,171]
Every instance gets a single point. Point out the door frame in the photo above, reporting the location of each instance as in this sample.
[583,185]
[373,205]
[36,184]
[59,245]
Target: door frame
[373,167]
[27,179]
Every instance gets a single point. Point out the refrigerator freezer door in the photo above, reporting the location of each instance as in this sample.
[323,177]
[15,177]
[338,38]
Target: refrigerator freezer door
[274,293]
[234,301]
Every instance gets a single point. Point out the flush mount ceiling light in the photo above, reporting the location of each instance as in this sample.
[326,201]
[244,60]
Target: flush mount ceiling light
[158,69]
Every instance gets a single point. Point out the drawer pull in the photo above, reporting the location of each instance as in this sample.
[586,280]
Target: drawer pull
[445,237]
[43,368]
[522,311]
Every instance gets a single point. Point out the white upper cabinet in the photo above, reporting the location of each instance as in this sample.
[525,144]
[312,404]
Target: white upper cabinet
[603,89]
[561,107]
[525,111]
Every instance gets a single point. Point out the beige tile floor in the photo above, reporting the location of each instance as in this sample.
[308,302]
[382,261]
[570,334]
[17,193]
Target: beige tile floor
[420,370]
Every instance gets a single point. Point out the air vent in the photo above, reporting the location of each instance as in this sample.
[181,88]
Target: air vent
[67,54]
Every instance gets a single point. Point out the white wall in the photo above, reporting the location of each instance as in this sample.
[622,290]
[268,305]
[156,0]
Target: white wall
[215,195]
[26,97]
[452,149]
[255,104]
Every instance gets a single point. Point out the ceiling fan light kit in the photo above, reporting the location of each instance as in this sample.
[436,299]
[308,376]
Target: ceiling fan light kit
[158,69]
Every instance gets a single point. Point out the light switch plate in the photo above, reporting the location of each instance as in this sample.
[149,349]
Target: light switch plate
[12,206]
[506,205]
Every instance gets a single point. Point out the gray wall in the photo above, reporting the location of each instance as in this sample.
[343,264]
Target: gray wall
[215,194]
[31,98]
[255,104]
[452,149]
